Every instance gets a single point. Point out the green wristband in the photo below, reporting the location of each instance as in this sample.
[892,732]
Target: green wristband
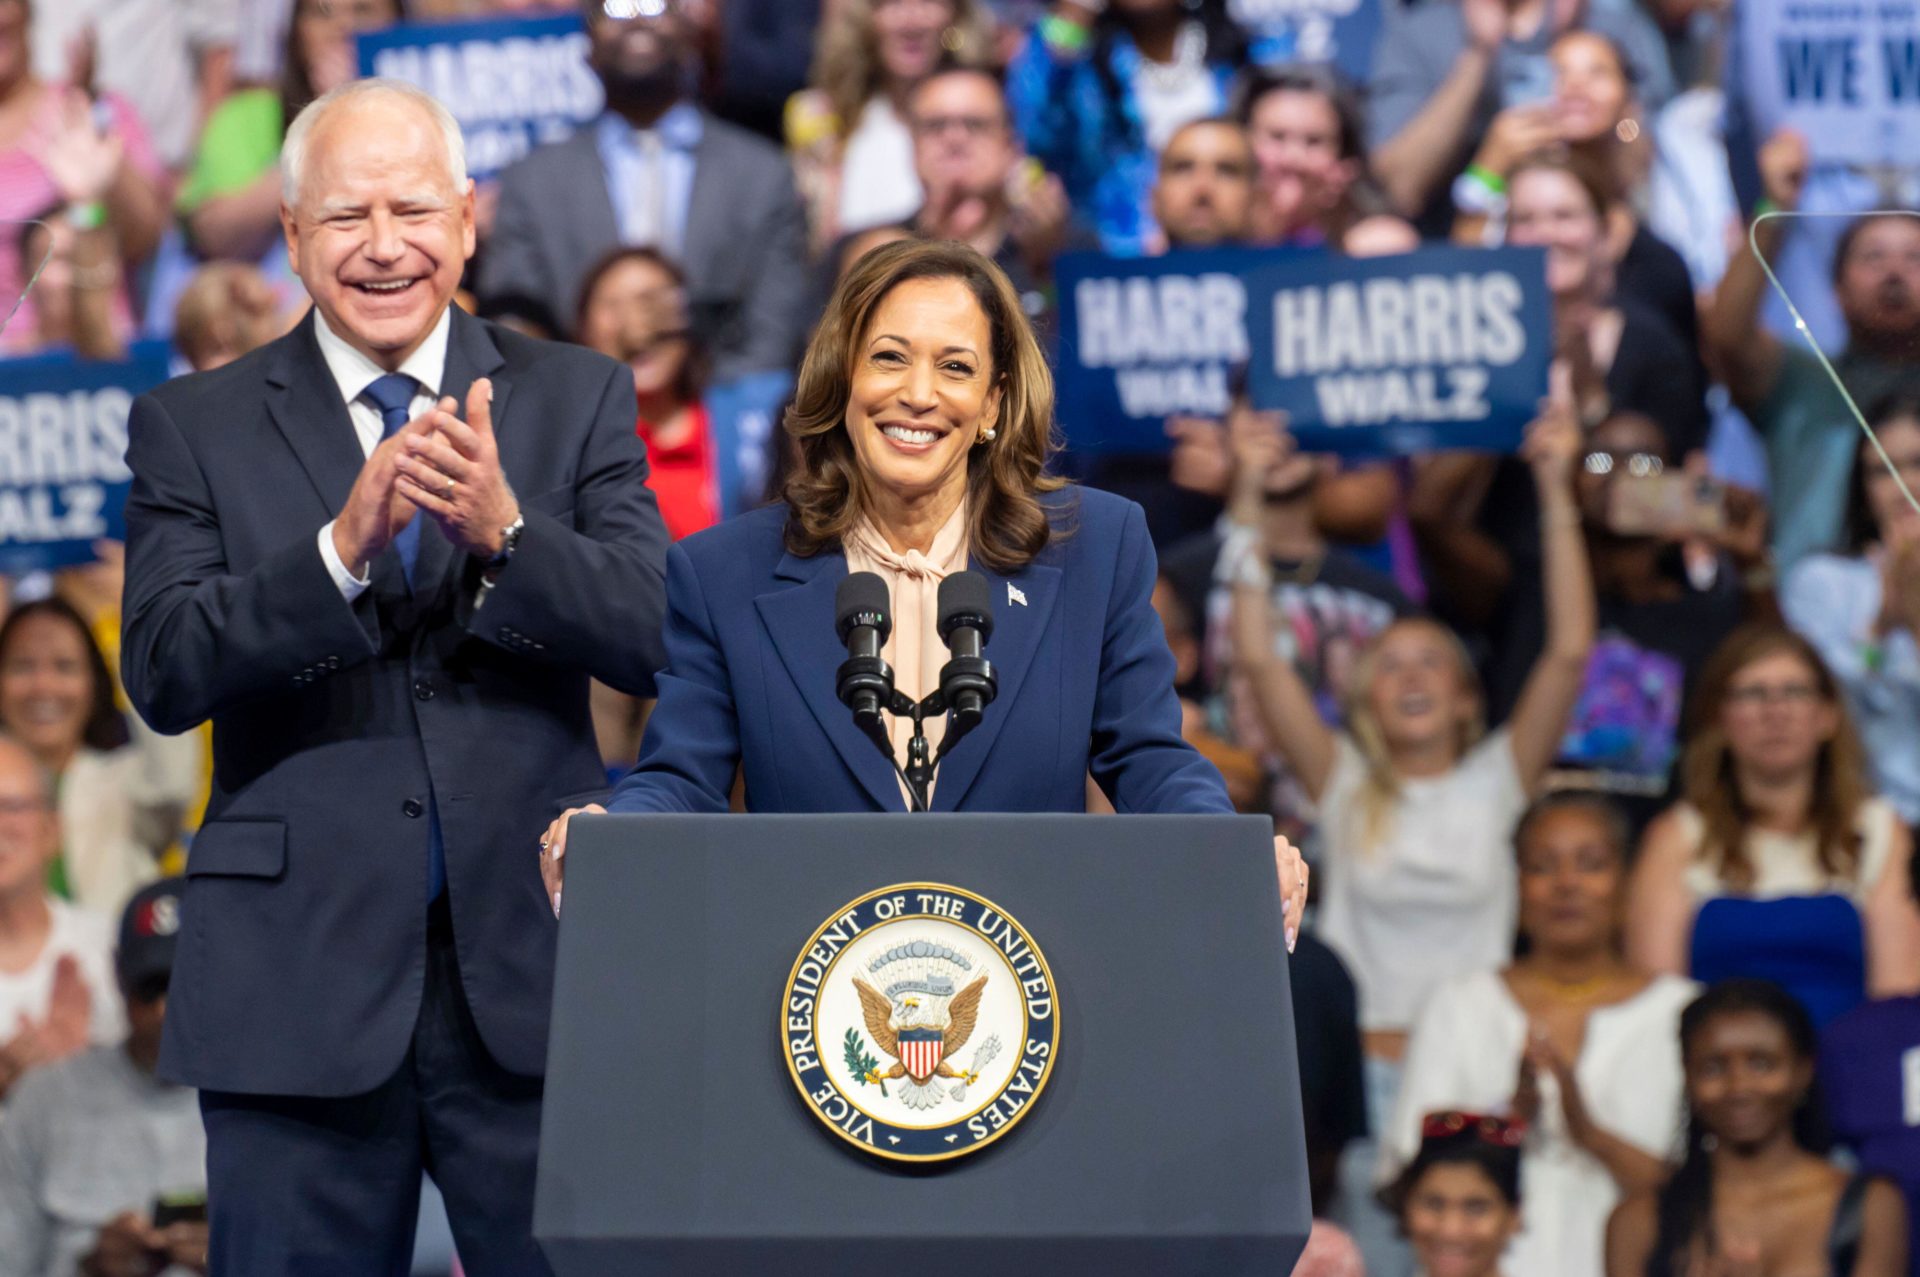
[1487,178]
[1763,206]
[1064,35]
[90,216]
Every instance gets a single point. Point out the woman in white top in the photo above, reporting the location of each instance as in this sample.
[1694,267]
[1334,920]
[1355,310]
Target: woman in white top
[1416,804]
[1778,863]
[852,151]
[1569,1039]
[121,789]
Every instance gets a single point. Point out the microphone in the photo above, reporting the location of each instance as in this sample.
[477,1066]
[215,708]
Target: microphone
[865,682]
[968,683]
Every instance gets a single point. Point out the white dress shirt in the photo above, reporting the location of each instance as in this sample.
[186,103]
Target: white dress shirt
[353,372]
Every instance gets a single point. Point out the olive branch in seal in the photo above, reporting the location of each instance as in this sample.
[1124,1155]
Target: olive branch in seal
[863,1066]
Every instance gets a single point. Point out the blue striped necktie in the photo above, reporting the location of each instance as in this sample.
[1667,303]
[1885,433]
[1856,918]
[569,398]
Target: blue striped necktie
[393,396]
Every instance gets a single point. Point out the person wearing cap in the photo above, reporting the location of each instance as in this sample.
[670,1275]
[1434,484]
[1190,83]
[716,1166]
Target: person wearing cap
[56,970]
[95,1144]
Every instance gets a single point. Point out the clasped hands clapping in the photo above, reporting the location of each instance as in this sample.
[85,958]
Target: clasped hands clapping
[437,465]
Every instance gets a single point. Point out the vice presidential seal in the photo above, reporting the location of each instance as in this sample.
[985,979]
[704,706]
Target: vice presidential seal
[920,1022]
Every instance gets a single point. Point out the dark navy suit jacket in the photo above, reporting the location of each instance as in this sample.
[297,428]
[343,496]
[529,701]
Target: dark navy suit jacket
[1086,683]
[340,729]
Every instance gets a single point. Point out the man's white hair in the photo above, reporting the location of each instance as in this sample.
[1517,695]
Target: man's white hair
[293,151]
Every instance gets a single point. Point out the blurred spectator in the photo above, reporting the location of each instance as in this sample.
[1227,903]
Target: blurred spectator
[68,153]
[1458,1201]
[96,1146]
[73,300]
[1753,1193]
[1782,386]
[231,199]
[1620,353]
[1778,862]
[853,152]
[1099,89]
[657,171]
[1204,194]
[56,960]
[1445,68]
[1867,1078]
[1671,580]
[1861,608]
[1569,1040]
[1327,608]
[172,59]
[1415,802]
[1594,114]
[120,803]
[1309,152]
[226,310]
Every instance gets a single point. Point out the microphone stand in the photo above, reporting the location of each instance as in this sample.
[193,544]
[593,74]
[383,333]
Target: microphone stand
[921,762]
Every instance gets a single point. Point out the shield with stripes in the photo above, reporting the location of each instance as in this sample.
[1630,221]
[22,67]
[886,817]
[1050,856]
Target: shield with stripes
[920,1051]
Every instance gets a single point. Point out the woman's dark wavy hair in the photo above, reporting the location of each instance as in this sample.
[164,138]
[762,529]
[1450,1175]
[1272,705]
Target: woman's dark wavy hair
[1899,405]
[1685,1204]
[1499,1162]
[105,729]
[1007,523]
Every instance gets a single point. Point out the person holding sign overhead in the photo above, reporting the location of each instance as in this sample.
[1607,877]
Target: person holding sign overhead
[923,420]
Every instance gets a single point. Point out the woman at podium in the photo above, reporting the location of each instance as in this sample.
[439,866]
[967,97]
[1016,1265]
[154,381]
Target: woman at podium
[923,424]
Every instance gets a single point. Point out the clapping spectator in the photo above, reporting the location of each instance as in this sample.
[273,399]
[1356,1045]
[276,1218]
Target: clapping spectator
[1445,68]
[1310,157]
[1099,89]
[1753,1194]
[1569,1040]
[848,134]
[1783,386]
[79,277]
[231,199]
[121,799]
[93,1144]
[1861,608]
[68,154]
[226,310]
[1778,862]
[658,171]
[56,960]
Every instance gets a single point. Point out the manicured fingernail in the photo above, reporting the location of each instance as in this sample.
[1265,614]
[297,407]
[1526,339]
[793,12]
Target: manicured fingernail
[556,904]
[1293,937]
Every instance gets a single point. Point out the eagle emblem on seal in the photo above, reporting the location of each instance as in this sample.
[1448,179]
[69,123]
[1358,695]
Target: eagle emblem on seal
[921,1015]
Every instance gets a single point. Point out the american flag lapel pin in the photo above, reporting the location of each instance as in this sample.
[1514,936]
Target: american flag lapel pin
[1014,595]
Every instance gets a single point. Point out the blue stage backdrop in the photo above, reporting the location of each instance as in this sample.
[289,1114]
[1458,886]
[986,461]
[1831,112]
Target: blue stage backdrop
[63,454]
[1441,348]
[513,83]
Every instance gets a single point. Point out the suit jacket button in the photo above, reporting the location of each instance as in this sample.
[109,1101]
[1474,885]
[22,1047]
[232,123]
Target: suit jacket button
[413,809]
[422,690]
[333,662]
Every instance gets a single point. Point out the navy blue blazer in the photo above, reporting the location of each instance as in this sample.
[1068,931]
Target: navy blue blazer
[340,729]
[1086,683]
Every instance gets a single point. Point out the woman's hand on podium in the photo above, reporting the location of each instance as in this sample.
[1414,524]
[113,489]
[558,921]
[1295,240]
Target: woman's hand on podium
[553,850]
[1293,887]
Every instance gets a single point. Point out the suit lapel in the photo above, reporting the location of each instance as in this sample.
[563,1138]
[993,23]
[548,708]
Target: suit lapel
[471,355]
[305,405]
[799,622]
[707,199]
[1022,604]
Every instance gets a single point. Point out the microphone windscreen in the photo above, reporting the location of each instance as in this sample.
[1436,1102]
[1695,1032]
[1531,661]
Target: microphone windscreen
[861,600]
[965,599]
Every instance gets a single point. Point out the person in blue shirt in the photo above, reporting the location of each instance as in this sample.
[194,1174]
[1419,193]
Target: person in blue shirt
[1098,89]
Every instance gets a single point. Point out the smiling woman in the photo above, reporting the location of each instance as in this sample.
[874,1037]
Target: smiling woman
[923,423]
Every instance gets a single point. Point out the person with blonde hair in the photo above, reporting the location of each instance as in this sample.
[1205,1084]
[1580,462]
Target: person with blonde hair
[1416,799]
[1779,862]
[923,420]
[848,133]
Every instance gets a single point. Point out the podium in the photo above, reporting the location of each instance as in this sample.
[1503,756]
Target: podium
[1168,1137]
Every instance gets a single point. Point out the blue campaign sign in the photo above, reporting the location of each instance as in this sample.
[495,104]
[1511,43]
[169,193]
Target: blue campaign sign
[63,454]
[1845,73]
[512,83]
[1338,31]
[1147,338]
[1441,348]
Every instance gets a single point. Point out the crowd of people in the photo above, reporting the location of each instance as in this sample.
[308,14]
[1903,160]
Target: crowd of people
[1606,754]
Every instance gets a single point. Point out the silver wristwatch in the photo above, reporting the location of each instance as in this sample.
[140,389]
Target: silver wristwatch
[509,542]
